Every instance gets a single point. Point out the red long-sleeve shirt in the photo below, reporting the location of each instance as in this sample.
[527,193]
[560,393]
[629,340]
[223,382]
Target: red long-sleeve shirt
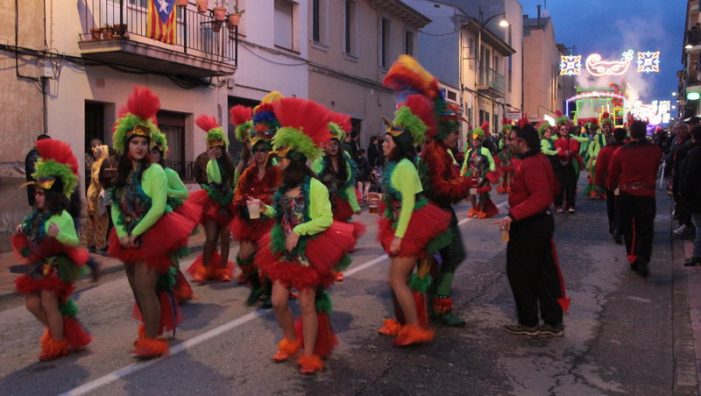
[533,187]
[633,168]
[603,160]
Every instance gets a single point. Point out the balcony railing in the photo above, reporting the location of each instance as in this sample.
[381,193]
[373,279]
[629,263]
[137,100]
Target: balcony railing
[197,34]
[490,79]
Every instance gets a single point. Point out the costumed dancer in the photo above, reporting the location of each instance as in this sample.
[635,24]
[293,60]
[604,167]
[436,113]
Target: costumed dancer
[567,167]
[145,235]
[411,228]
[338,171]
[305,244]
[241,117]
[598,142]
[47,241]
[479,163]
[506,166]
[445,187]
[176,201]
[217,202]
[603,162]
[256,187]
[547,142]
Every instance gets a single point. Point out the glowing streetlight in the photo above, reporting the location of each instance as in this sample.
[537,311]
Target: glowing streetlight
[504,23]
[674,94]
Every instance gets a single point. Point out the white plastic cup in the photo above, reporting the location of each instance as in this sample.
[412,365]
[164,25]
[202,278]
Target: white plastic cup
[253,208]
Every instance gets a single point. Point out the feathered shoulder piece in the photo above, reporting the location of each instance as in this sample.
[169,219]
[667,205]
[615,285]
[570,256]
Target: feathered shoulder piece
[407,74]
[56,162]
[137,117]
[303,127]
[241,117]
[216,137]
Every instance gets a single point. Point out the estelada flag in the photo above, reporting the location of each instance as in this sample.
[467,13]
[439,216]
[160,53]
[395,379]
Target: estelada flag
[160,22]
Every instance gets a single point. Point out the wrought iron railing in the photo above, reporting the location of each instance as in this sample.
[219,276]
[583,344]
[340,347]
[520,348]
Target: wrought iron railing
[197,34]
[489,77]
[184,169]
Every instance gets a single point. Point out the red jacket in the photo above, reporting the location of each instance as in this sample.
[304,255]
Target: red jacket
[533,187]
[567,149]
[633,168]
[602,163]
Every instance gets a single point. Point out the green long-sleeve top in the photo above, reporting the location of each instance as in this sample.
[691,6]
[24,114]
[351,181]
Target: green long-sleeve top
[405,179]
[154,183]
[483,151]
[67,234]
[547,147]
[595,146]
[213,172]
[176,187]
[320,214]
[349,190]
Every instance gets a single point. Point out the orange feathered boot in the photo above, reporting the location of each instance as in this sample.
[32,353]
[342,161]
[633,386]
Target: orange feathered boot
[413,334]
[310,364]
[390,328]
[51,348]
[286,349]
[149,348]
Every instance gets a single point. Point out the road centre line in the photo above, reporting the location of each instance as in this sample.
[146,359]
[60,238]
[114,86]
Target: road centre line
[200,338]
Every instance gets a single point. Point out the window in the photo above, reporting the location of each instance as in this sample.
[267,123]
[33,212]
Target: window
[409,42]
[349,34]
[316,21]
[284,24]
[384,45]
[173,126]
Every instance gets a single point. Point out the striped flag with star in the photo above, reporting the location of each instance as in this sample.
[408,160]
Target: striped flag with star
[160,21]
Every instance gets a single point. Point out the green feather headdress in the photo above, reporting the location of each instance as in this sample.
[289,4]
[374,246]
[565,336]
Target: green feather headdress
[406,121]
[137,118]
[541,129]
[56,162]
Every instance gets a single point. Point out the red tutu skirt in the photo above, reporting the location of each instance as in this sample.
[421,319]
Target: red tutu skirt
[342,210]
[170,312]
[250,230]
[26,284]
[426,224]
[47,248]
[190,210]
[168,235]
[323,251]
[211,210]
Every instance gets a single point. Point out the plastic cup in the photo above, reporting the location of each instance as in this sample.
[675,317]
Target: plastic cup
[253,208]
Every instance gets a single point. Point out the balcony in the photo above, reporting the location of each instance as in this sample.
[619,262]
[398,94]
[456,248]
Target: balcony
[490,82]
[115,33]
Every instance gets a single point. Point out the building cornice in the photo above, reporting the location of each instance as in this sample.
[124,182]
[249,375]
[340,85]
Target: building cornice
[403,11]
[488,37]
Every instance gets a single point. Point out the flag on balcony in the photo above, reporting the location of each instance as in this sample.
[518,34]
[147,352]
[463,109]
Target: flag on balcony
[160,23]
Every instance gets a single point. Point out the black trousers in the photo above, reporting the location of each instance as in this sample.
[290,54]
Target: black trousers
[532,272]
[638,225]
[567,178]
[453,254]
[613,211]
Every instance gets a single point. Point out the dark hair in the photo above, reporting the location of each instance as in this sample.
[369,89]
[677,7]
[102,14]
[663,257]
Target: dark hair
[404,148]
[638,130]
[226,164]
[162,159]
[696,133]
[619,134]
[43,136]
[530,135]
[54,200]
[295,172]
[373,139]
[96,141]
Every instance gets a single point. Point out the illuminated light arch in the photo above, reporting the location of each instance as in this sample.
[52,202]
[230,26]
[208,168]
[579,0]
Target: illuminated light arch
[594,94]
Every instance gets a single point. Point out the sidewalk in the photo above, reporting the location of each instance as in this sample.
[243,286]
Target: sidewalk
[691,281]
[10,267]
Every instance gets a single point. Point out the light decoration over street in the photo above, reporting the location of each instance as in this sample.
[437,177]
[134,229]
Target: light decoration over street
[647,62]
[570,65]
[656,113]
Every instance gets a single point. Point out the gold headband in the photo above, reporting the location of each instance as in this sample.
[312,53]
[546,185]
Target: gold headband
[45,184]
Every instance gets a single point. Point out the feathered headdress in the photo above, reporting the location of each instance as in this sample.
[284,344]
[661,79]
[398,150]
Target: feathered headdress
[160,142]
[56,162]
[561,119]
[543,126]
[304,127]
[606,119]
[481,132]
[216,137]
[137,118]
[407,75]
[241,117]
[340,126]
[506,125]
[405,121]
[265,124]
[449,117]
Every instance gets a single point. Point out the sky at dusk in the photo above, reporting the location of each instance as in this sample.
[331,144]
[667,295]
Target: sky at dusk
[609,27]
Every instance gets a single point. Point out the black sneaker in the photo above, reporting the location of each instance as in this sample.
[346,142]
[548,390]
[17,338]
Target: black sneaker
[552,331]
[520,329]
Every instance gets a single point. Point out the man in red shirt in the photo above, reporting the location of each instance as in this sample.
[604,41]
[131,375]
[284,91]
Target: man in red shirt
[633,172]
[602,164]
[531,260]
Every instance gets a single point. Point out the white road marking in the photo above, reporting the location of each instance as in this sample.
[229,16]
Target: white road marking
[198,339]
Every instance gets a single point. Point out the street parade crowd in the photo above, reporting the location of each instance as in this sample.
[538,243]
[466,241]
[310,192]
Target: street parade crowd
[291,199]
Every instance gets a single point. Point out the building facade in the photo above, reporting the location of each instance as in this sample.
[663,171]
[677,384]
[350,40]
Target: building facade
[689,91]
[541,68]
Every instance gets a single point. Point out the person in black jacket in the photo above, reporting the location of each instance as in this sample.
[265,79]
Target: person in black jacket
[29,166]
[375,157]
[690,188]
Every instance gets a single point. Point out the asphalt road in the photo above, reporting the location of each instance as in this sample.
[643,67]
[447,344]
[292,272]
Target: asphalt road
[618,338]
